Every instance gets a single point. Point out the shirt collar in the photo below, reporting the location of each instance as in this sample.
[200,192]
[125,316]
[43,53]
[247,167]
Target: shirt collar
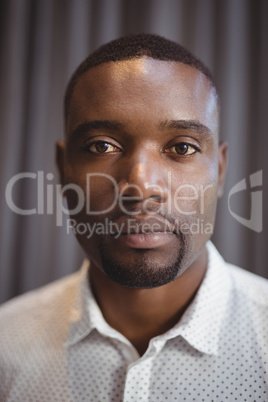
[85,314]
[79,320]
[200,325]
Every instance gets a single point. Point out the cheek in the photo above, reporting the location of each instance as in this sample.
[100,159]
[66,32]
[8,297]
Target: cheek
[208,193]
[195,200]
[99,191]
[195,196]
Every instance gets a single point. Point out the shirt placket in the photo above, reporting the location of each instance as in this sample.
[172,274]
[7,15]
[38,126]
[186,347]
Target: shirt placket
[138,378]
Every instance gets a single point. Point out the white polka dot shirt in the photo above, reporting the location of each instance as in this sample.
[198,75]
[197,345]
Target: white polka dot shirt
[56,346]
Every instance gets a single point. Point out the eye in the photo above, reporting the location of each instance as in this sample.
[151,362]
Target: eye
[102,147]
[182,149]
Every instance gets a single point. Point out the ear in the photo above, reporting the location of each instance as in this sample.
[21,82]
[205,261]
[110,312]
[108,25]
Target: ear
[223,163]
[60,160]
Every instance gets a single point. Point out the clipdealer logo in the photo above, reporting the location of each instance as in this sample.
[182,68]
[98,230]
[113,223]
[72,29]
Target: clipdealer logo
[255,221]
[188,199]
[50,197]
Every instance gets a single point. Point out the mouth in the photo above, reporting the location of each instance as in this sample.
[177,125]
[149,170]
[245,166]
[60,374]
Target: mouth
[149,240]
[145,232]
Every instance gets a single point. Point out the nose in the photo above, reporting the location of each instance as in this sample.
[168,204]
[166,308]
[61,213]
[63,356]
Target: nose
[145,178]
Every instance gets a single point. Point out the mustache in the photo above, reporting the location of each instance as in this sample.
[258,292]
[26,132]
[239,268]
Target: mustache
[153,214]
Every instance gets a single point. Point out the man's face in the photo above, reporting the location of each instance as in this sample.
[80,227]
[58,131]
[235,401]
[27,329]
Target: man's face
[147,133]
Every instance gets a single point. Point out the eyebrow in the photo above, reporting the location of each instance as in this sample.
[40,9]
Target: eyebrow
[192,125]
[89,126]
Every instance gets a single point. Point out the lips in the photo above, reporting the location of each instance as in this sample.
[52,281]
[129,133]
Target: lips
[145,232]
[146,240]
[144,224]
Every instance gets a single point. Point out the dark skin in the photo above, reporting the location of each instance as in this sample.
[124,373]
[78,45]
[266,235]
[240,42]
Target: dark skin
[137,120]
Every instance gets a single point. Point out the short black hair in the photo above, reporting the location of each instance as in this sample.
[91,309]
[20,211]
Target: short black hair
[132,47]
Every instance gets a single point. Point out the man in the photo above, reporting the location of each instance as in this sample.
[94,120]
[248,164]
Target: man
[158,315]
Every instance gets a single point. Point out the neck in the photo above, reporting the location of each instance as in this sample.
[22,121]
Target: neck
[141,314]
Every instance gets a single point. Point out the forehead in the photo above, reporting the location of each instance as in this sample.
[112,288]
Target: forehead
[144,88]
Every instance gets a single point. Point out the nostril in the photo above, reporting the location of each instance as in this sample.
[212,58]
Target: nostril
[129,197]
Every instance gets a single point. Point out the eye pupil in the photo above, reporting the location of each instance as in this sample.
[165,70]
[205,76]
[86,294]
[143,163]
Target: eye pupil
[181,148]
[102,147]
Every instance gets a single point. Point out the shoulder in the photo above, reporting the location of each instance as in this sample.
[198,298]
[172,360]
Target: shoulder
[26,316]
[248,305]
[243,284]
[253,287]
[33,332]
[245,293]
[36,299]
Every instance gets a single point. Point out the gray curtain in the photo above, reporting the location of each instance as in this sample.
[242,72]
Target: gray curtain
[42,42]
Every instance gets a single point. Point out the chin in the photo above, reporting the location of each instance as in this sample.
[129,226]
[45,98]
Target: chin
[144,270]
